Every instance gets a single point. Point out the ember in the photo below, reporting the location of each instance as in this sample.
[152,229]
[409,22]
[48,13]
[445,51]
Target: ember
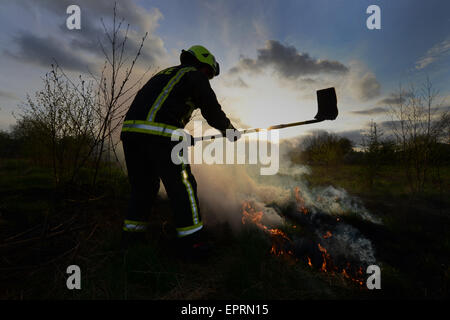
[327,235]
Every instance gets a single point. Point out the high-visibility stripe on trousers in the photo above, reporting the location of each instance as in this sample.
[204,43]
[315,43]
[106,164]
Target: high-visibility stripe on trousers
[134,226]
[197,225]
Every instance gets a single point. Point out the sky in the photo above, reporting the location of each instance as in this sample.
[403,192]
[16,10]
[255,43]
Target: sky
[274,55]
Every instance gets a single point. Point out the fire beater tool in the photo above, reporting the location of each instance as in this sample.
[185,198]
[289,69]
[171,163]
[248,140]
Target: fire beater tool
[327,110]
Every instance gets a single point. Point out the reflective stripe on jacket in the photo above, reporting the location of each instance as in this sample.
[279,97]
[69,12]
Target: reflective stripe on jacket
[166,102]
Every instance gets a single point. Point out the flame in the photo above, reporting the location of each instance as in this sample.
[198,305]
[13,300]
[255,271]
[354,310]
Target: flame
[280,239]
[345,274]
[327,235]
[328,267]
[300,201]
[249,213]
[325,256]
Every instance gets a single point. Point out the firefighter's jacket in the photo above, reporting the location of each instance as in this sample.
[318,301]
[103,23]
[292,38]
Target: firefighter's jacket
[166,102]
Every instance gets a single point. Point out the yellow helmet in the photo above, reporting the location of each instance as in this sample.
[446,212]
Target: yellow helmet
[202,55]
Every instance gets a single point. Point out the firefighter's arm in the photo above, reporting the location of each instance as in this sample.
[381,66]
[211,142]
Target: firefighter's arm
[205,98]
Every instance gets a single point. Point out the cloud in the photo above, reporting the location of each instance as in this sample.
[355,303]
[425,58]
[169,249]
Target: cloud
[395,99]
[287,62]
[354,135]
[80,50]
[45,50]
[372,111]
[440,109]
[369,87]
[140,19]
[301,69]
[238,82]
[145,20]
[362,83]
[390,124]
[391,100]
[433,54]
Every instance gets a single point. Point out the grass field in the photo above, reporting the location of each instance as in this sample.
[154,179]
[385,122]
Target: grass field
[44,229]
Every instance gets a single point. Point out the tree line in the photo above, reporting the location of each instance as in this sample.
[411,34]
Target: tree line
[416,140]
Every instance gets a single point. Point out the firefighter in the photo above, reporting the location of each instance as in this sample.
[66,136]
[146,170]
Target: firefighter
[163,105]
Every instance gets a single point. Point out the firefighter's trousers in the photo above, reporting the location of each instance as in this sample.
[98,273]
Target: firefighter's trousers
[148,160]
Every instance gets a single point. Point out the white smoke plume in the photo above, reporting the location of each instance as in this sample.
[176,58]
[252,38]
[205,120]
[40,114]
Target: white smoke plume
[222,190]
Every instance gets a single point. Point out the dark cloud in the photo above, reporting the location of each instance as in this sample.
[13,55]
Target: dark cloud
[140,21]
[79,50]
[288,62]
[353,135]
[389,125]
[45,51]
[87,38]
[144,19]
[372,111]
[391,101]
[395,99]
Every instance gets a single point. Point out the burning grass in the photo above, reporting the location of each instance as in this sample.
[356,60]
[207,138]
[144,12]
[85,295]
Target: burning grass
[312,241]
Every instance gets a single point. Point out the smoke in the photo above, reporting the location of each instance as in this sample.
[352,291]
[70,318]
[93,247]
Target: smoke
[222,189]
[336,202]
[348,242]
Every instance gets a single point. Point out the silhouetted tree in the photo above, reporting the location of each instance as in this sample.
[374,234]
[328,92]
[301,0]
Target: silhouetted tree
[418,126]
[327,149]
[378,151]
